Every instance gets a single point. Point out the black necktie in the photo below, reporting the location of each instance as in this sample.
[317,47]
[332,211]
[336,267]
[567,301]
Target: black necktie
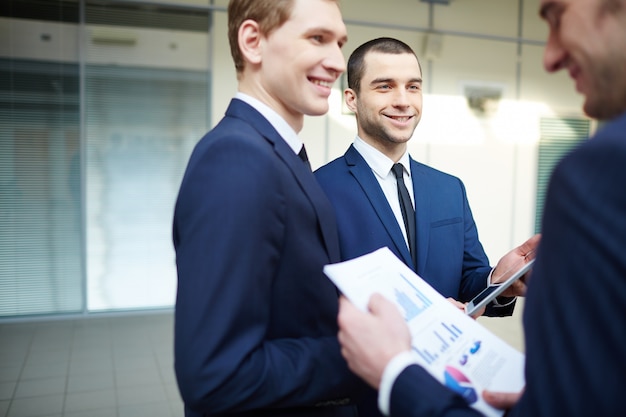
[408,213]
[302,154]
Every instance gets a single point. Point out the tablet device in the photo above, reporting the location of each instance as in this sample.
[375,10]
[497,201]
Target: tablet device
[492,291]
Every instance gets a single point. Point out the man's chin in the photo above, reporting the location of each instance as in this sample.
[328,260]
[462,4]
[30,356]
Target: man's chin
[601,109]
[317,110]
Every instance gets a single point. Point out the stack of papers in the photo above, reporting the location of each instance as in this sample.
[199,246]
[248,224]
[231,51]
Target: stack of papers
[451,346]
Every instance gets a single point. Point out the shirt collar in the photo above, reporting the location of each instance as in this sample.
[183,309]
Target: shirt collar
[379,162]
[282,127]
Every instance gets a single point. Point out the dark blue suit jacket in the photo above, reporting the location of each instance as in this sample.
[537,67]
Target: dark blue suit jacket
[575,328]
[449,255]
[255,324]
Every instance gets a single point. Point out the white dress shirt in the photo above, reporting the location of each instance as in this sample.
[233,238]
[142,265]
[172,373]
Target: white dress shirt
[282,127]
[381,167]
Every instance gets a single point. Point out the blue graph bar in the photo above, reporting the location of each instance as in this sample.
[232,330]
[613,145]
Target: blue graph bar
[427,356]
[420,295]
[444,344]
[411,310]
[437,339]
[454,331]
[423,298]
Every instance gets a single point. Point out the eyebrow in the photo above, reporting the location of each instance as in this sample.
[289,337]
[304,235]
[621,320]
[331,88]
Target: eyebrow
[391,80]
[326,32]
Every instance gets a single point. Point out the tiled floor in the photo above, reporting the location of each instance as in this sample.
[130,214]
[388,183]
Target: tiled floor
[119,366]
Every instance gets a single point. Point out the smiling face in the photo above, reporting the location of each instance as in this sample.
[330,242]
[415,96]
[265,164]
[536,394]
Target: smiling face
[388,105]
[588,39]
[292,68]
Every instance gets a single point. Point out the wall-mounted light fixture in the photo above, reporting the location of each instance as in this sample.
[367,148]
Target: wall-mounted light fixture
[483,97]
[445,2]
[102,36]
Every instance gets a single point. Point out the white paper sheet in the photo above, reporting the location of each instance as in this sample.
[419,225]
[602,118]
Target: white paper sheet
[454,348]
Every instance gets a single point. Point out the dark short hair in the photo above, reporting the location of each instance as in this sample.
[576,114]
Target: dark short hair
[356,62]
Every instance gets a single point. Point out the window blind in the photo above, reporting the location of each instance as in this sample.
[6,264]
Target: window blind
[40,236]
[94,138]
[558,137]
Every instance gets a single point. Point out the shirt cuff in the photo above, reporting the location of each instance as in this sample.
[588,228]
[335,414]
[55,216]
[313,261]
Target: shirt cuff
[500,301]
[394,368]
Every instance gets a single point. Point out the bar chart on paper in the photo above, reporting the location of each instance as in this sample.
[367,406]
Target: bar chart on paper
[437,339]
[457,351]
[438,336]
[411,299]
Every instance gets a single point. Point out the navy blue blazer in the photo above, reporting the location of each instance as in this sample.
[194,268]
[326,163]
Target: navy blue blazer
[575,328]
[449,255]
[255,322]
[573,319]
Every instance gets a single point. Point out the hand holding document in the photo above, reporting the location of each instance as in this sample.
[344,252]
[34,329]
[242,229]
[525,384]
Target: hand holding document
[455,349]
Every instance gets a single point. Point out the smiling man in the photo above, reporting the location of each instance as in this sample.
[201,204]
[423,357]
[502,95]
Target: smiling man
[385,93]
[383,197]
[573,319]
[255,327]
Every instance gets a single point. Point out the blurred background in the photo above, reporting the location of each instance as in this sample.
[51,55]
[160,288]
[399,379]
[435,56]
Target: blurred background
[102,101]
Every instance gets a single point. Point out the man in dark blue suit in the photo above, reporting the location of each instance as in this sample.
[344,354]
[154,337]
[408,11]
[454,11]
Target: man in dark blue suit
[255,322]
[573,319]
[385,93]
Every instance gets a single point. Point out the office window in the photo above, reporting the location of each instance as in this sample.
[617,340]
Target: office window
[558,137]
[141,125]
[97,120]
[40,235]
[40,262]
[146,95]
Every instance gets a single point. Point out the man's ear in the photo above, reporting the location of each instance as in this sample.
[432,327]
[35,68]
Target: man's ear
[350,97]
[250,43]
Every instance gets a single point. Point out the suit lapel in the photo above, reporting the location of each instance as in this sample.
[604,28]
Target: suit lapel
[303,175]
[315,194]
[366,179]
[421,193]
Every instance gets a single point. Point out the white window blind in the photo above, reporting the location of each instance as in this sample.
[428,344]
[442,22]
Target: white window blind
[93,145]
[146,95]
[558,137]
[40,234]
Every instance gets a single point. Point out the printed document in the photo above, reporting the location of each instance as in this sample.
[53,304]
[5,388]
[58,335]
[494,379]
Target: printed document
[454,348]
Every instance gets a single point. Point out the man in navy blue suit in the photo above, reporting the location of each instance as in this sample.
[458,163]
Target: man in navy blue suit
[573,319]
[385,93]
[255,321]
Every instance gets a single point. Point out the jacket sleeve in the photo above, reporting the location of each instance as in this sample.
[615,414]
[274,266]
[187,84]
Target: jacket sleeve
[416,393]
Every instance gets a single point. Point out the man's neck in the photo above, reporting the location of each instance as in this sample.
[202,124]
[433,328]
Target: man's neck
[255,90]
[391,150]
